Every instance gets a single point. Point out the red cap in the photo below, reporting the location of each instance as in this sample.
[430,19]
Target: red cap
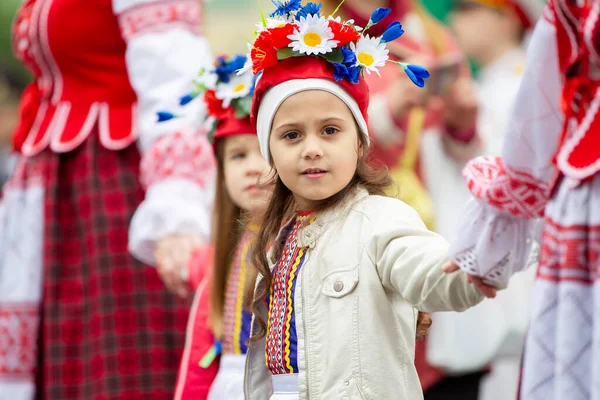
[230,125]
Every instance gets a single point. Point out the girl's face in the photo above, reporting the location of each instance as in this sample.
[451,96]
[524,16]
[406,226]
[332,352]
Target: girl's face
[314,146]
[245,172]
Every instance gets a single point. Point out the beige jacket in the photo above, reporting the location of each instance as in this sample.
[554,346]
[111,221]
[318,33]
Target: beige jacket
[370,266]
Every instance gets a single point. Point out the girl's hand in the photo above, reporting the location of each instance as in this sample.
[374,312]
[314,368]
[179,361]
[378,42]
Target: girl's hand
[172,256]
[487,290]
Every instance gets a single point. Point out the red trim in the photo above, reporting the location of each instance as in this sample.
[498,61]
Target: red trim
[570,253]
[154,17]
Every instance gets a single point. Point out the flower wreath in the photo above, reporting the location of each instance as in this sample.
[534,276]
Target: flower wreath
[295,30]
[226,92]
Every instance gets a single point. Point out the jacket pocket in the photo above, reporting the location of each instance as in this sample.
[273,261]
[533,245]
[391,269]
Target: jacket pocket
[351,390]
[340,283]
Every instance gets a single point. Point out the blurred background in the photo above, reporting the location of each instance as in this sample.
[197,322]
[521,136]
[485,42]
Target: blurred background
[229,24]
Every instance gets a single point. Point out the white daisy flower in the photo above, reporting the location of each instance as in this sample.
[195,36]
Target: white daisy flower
[238,86]
[313,36]
[370,53]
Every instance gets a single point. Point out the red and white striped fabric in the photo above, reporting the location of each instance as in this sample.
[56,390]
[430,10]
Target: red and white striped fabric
[534,179]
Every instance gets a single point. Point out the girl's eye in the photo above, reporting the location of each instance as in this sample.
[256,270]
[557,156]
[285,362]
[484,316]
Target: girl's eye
[238,156]
[291,136]
[330,130]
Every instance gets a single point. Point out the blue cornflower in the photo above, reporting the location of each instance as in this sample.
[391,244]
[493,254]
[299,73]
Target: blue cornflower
[309,9]
[416,73]
[285,8]
[349,56]
[341,71]
[393,32]
[344,72]
[225,69]
[354,74]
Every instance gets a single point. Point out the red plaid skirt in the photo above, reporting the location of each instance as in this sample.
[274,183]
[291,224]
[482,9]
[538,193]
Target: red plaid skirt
[109,328]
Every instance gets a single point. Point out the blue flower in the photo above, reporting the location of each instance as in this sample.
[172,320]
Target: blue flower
[393,32]
[378,15]
[341,71]
[309,9]
[416,73]
[285,8]
[225,69]
[349,56]
[354,74]
[164,116]
[344,72]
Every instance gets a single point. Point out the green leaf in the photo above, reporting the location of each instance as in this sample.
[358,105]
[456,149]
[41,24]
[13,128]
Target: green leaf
[335,56]
[286,52]
[240,114]
[243,105]
[263,20]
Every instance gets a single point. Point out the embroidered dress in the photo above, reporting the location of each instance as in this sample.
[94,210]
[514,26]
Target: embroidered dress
[549,170]
[79,317]
[281,328]
[236,320]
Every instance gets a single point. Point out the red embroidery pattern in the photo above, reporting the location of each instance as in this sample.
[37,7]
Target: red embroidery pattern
[179,155]
[155,16]
[515,192]
[570,253]
[18,335]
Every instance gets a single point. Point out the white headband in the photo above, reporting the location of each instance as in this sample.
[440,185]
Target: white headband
[275,96]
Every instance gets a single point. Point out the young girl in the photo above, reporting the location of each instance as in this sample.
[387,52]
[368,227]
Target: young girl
[337,296]
[218,308]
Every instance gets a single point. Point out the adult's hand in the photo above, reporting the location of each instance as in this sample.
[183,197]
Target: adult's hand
[487,290]
[172,256]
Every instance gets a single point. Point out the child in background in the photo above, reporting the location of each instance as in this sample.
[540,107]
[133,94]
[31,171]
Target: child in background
[240,198]
[337,299]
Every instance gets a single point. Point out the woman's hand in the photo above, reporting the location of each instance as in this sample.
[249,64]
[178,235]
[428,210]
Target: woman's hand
[172,256]
[459,106]
[487,290]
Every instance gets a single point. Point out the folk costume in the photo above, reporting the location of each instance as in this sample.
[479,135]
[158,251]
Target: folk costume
[549,169]
[79,317]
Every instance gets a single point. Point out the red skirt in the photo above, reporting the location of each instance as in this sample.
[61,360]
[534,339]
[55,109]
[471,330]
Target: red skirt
[109,328]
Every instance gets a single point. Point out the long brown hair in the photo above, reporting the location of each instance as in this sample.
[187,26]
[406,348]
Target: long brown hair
[370,176]
[227,232]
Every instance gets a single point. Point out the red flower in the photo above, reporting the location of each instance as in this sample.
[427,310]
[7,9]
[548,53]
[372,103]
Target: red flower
[214,105]
[279,35]
[343,33]
[263,53]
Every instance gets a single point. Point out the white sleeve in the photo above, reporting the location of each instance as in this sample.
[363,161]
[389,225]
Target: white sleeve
[500,224]
[409,260]
[165,51]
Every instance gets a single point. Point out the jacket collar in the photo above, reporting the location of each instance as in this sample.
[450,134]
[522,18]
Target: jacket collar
[308,235]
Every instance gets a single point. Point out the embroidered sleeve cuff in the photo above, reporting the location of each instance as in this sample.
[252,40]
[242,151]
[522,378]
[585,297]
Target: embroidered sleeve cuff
[171,206]
[186,155]
[507,189]
[492,244]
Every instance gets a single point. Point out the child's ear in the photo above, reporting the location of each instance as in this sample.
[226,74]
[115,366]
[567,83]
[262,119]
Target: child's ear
[361,149]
